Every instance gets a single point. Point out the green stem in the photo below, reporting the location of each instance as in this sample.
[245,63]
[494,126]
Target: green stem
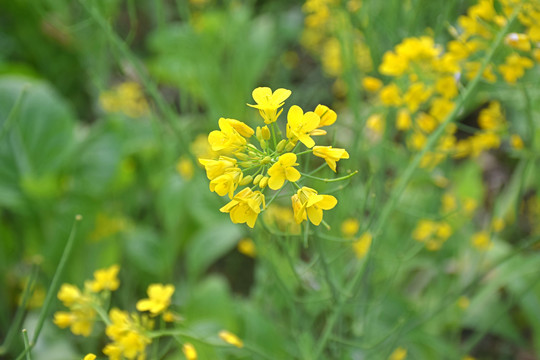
[26,345]
[55,283]
[331,180]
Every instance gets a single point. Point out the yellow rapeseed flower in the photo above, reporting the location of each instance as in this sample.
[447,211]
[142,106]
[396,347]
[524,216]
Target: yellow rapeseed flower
[300,125]
[481,240]
[349,227]
[307,203]
[184,166]
[371,84]
[231,136]
[398,354]
[105,279]
[362,245]
[159,299]
[215,168]
[330,155]
[514,67]
[268,102]
[227,182]
[246,246]
[189,351]
[516,142]
[244,207]
[283,170]
[128,335]
[89,357]
[231,338]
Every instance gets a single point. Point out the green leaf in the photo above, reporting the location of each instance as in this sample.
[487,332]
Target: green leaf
[210,244]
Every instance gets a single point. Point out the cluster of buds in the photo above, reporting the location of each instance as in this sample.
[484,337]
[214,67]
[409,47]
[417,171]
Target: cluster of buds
[273,162]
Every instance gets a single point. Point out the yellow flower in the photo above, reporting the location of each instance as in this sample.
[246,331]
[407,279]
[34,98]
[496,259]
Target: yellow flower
[472,68]
[69,294]
[516,142]
[189,351]
[390,95]
[80,320]
[375,123]
[244,207]
[127,333]
[184,166]
[350,227]
[447,86]
[481,240]
[229,138]
[300,125]
[514,67]
[330,155]
[90,357]
[283,170]
[371,84]
[398,354]
[105,279]
[393,64]
[417,94]
[127,98]
[362,245]
[463,302]
[226,183]
[246,246]
[230,338]
[518,41]
[268,102]
[327,116]
[403,120]
[491,118]
[307,203]
[159,299]
[215,168]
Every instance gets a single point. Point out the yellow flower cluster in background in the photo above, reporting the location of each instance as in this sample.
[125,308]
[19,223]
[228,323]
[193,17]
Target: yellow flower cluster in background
[426,78]
[238,162]
[129,332]
[323,19]
[127,98]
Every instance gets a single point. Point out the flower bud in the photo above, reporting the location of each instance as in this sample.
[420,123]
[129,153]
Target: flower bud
[265,133]
[246,180]
[263,182]
[281,145]
[290,145]
[257,179]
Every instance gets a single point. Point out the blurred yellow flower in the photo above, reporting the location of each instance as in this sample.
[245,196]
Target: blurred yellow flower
[159,299]
[398,354]
[89,357]
[362,245]
[481,240]
[371,84]
[105,279]
[349,227]
[185,168]
[230,338]
[246,246]
[189,351]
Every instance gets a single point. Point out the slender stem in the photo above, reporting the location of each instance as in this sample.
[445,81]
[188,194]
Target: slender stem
[326,180]
[56,280]
[26,345]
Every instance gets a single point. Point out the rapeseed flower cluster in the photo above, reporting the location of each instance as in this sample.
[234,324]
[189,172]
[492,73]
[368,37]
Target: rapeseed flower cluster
[272,163]
[127,98]
[130,333]
[426,78]
[323,21]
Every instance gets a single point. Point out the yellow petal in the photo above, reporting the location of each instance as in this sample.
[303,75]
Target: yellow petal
[261,94]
